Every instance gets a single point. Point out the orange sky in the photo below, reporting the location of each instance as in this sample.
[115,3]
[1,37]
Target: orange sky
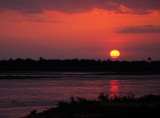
[90,34]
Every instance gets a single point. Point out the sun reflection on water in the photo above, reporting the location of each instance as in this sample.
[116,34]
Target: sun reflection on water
[114,87]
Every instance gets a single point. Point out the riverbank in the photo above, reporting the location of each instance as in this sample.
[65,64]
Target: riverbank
[104,107]
[54,74]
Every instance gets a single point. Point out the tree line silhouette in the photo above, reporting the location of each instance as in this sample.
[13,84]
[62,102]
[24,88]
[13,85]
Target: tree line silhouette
[78,65]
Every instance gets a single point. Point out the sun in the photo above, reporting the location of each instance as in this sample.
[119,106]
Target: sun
[114,53]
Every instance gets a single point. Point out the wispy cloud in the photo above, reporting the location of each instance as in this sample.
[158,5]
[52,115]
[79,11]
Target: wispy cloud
[140,29]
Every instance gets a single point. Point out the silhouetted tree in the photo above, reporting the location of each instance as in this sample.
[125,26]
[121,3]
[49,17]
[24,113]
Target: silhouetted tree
[78,65]
[108,60]
[41,58]
[149,59]
[10,60]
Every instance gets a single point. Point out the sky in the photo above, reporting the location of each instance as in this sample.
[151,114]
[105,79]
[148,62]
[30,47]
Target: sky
[90,29]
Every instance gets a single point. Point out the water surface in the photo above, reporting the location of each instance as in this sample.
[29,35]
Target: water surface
[20,96]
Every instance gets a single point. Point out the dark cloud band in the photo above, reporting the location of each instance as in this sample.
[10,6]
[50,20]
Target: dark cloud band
[140,29]
[76,6]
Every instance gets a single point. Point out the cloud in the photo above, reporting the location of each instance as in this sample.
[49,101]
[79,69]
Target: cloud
[140,6]
[78,6]
[37,21]
[140,29]
[67,6]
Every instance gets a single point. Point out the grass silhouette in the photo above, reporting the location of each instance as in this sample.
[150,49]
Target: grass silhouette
[105,107]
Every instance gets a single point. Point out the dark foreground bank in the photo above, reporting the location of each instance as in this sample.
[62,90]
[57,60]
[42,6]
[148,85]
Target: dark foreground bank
[105,107]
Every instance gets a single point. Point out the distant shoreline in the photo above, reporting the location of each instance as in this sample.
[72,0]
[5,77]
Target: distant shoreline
[80,65]
[53,74]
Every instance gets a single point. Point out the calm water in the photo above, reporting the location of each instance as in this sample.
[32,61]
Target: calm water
[20,96]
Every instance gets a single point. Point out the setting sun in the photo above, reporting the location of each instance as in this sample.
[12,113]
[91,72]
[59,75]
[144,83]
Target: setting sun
[114,53]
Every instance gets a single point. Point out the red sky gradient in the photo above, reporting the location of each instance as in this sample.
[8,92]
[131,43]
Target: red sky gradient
[59,29]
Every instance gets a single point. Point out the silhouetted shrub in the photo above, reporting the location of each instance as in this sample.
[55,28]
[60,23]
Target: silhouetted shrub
[105,107]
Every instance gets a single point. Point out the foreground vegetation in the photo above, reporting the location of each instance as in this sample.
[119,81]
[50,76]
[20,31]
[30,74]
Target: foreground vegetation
[105,107]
